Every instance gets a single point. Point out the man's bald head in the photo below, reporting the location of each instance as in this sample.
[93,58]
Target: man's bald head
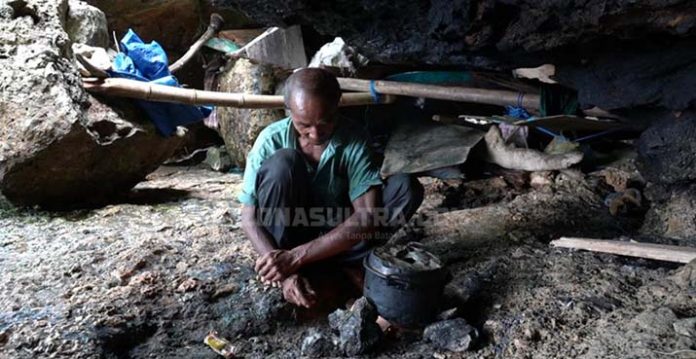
[312,97]
[312,83]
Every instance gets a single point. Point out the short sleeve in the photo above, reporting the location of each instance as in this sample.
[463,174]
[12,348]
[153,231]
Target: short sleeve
[362,170]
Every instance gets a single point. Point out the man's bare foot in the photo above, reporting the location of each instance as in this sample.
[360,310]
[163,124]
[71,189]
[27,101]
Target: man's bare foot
[296,290]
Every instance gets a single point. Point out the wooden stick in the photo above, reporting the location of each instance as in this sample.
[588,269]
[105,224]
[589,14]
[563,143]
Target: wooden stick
[452,93]
[216,22]
[660,252]
[90,67]
[530,101]
[146,91]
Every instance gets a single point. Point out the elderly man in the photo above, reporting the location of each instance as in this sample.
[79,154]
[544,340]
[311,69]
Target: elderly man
[312,192]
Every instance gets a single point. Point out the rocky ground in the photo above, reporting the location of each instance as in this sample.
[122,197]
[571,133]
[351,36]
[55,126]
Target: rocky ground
[151,275]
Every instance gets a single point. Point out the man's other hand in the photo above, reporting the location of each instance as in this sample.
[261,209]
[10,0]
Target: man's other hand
[276,265]
[296,290]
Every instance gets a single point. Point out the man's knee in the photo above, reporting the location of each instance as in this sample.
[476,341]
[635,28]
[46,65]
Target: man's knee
[281,165]
[281,161]
[404,189]
[403,194]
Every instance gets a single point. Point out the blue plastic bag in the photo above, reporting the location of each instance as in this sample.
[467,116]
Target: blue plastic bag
[149,63]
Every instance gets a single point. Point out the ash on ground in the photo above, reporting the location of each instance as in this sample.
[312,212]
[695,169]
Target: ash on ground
[152,275]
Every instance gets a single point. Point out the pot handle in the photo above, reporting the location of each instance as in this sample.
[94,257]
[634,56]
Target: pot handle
[393,280]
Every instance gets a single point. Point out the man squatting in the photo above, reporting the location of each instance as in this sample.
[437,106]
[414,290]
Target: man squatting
[312,193]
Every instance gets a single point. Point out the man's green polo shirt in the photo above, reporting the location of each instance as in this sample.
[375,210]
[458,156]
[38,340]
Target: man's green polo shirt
[345,171]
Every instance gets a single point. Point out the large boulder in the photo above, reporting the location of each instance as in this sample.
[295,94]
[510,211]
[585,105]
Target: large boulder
[58,145]
[239,127]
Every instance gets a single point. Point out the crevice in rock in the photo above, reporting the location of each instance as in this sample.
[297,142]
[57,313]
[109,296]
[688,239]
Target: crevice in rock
[21,8]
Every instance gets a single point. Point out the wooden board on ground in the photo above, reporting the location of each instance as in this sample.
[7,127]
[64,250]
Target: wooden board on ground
[660,252]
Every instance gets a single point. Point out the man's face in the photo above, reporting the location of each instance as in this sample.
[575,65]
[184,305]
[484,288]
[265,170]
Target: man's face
[313,118]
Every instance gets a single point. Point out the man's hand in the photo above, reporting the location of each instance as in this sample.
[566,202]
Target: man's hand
[276,265]
[296,290]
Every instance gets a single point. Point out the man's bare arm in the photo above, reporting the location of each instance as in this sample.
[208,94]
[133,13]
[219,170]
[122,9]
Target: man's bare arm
[359,226]
[260,239]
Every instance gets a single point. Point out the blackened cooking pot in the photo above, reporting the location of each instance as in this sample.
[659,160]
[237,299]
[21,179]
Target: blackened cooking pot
[405,283]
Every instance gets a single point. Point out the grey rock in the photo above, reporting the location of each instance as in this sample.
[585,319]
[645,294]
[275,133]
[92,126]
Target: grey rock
[6,11]
[685,327]
[357,327]
[270,306]
[667,152]
[454,335]
[685,277]
[218,159]
[672,211]
[60,146]
[317,344]
[239,127]
[86,24]
[658,322]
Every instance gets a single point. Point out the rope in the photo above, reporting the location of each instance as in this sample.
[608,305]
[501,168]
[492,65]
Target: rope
[520,112]
[376,97]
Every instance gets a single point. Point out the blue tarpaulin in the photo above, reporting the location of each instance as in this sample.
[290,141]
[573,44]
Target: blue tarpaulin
[149,63]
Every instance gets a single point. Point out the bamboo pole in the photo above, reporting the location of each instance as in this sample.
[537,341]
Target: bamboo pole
[161,93]
[660,252]
[452,93]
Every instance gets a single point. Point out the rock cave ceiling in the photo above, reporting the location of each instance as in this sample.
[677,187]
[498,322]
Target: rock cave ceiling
[618,54]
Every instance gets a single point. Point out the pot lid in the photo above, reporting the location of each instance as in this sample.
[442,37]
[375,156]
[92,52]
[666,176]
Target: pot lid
[410,258]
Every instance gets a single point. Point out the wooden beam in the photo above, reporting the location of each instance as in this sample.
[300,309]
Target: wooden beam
[279,47]
[452,93]
[660,252]
[241,37]
[161,93]
[530,101]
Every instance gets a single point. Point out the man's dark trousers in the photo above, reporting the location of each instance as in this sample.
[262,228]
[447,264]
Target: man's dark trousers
[283,188]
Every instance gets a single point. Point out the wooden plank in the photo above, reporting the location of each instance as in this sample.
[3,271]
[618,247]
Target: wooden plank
[660,252]
[570,123]
[279,47]
[241,37]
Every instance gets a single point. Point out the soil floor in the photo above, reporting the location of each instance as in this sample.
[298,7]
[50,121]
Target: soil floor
[152,275]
